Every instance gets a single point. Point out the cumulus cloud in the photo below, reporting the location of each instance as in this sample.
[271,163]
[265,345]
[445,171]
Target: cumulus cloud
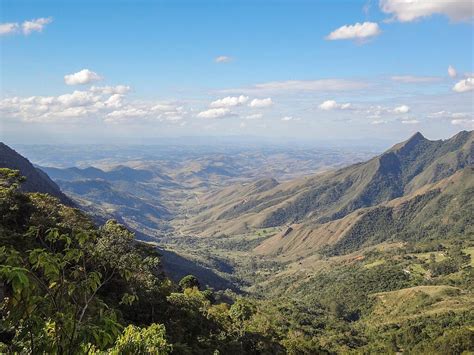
[407,11]
[27,27]
[127,112]
[230,101]
[377,111]
[214,113]
[402,109]
[261,103]
[329,105]
[107,103]
[223,59]
[464,85]
[36,25]
[85,76]
[469,123]
[8,28]
[452,72]
[412,79]
[359,31]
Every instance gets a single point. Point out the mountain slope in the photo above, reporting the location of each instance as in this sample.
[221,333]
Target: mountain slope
[36,179]
[438,210]
[117,173]
[330,196]
[102,199]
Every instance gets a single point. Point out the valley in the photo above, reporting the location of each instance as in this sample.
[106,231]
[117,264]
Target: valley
[237,177]
[349,240]
[157,190]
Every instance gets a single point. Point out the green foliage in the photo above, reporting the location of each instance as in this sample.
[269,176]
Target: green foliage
[189,281]
[69,287]
[241,310]
[142,341]
[54,294]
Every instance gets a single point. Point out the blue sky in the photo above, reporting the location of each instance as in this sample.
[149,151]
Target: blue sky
[383,75]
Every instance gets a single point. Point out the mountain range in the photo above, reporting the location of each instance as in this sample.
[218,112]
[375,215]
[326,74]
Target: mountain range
[395,191]
[373,257]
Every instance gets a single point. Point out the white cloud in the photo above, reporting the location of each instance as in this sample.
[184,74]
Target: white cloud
[289,118]
[261,103]
[99,103]
[463,122]
[164,107]
[215,113]
[110,90]
[230,101]
[449,115]
[464,85]
[410,10]
[78,98]
[36,25]
[27,27]
[358,31]
[410,121]
[377,111]
[333,105]
[402,109]
[8,28]
[452,72]
[223,59]
[378,122]
[85,76]
[301,86]
[439,114]
[127,112]
[411,79]
[459,115]
[114,101]
[254,116]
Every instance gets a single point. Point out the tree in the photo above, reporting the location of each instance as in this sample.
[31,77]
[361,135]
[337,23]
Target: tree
[54,301]
[189,281]
[142,341]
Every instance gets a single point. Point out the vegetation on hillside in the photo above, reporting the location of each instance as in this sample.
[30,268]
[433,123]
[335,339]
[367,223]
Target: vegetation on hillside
[397,279]
[69,287]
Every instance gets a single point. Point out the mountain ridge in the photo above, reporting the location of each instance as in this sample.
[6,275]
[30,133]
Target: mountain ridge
[329,196]
[36,179]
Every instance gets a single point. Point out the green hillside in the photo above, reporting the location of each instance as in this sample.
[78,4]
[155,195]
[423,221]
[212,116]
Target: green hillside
[372,258]
[325,197]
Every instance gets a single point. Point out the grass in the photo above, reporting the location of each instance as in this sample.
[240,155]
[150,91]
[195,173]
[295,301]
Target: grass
[417,269]
[417,301]
[439,256]
[470,251]
[374,264]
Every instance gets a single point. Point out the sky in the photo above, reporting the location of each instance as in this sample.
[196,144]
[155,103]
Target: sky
[137,71]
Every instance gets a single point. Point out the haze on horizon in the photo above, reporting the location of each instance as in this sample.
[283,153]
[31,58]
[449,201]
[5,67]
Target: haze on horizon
[128,72]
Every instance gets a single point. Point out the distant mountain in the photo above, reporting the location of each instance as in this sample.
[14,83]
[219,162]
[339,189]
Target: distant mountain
[36,179]
[117,173]
[329,197]
[128,195]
